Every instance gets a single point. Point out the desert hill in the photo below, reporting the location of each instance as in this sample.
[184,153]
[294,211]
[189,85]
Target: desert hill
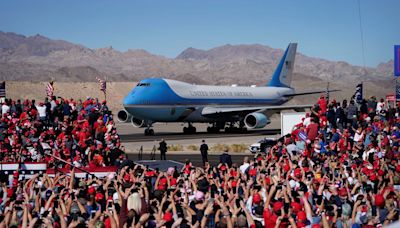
[37,59]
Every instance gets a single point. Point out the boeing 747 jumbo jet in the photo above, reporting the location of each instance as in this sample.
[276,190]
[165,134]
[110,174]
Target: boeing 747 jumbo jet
[164,100]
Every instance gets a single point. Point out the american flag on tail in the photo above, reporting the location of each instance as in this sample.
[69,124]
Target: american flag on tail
[103,85]
[50,89]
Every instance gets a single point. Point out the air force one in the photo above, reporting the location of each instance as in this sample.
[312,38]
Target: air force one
[230,107]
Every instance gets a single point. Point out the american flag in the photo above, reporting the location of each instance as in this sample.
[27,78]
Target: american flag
[50,89]
[103,85]
[3,89]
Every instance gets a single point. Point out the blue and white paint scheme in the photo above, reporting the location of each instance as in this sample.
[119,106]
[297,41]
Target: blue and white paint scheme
[164,100]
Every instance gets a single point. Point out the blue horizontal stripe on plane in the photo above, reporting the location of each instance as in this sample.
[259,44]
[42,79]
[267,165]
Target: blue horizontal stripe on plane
[160,93]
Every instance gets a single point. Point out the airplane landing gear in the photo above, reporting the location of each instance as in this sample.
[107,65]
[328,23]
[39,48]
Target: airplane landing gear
[149,130]
[190,129]
[233,129]
[215,128]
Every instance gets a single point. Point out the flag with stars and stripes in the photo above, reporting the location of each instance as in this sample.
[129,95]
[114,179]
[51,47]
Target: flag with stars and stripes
[103,85]
[2,89]
[50,89]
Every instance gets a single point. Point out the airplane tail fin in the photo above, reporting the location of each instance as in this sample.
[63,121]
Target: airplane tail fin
[282,76]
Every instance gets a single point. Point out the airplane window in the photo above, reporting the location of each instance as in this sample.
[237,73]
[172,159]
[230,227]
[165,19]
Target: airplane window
[143,84]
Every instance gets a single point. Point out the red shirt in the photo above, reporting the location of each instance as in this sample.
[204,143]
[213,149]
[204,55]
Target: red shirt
[312,131]
[322,104]
[270,219]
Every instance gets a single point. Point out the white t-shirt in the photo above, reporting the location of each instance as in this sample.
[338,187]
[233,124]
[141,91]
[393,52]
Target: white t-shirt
[244,167]
[358,137]
[53,105]
[379,107]
[41,110]
[5,108]
[307,121]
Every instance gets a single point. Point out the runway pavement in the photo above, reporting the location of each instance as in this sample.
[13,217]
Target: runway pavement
[133,138]
[194,158]
[140,137]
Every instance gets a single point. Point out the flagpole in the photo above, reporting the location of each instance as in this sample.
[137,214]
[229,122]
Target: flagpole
[105,89]
[327,93]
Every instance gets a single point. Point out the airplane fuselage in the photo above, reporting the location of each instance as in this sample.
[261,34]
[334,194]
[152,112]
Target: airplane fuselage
[164,100]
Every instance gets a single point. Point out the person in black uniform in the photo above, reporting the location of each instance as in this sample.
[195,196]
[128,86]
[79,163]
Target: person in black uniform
[226,158]
[163,149]
[204,152]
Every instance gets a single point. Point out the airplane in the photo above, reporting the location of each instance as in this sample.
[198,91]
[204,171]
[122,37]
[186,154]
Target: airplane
[164,100]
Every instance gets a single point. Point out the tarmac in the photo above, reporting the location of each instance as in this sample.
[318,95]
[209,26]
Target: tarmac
[133,139]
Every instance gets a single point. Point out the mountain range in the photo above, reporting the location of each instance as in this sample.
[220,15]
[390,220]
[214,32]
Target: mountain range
[38,58]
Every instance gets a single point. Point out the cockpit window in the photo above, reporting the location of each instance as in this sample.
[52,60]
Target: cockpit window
[143,84]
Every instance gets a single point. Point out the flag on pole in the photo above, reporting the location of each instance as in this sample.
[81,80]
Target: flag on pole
[396,60]
[103,85]
[50,89]
[2,89]
[358,95]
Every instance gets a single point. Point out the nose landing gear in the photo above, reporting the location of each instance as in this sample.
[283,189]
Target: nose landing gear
[149,130]
[190,129]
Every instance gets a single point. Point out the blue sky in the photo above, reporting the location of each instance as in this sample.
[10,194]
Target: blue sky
[324,29]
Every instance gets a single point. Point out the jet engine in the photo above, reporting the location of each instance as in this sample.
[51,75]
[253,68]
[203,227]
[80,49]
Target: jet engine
[256,120]
[138,122]
[124,116]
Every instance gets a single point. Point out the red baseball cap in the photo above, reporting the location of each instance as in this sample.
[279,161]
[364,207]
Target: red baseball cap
[301,216]
[127,177]
[91,190]
[252,172]
[297,172]
[342,192]
[277,206]
[373,177]
[256,198]
[234,184]
[99,196]
[167,216]
[296,207]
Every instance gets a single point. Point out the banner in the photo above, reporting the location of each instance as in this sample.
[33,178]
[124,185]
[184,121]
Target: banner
[390,98]
[358,95]
[396,60]
[2,89]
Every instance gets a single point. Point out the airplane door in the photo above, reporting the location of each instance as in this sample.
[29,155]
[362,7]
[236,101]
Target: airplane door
[173,110]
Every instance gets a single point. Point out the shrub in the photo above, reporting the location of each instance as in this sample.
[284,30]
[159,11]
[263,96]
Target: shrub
[175,147]
[193,147]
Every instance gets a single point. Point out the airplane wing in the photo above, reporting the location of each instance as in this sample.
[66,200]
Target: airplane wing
[268,110]
[309,92]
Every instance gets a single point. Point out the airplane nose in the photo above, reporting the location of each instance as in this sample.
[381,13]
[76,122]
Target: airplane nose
[127,100]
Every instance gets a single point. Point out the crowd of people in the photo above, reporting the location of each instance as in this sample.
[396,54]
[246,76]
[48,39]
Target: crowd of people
[339,168]
[80,132]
